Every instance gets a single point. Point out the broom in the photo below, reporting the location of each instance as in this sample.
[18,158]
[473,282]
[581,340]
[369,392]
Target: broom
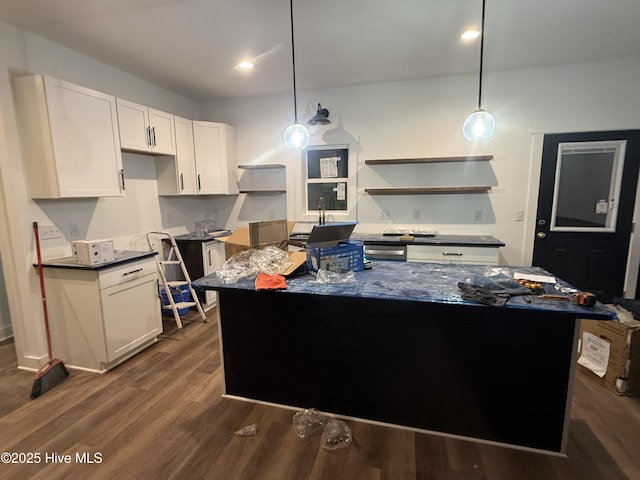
[53,372]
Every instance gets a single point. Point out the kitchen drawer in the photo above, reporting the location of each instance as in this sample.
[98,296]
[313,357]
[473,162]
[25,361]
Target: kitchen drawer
[127,272]
[452,254]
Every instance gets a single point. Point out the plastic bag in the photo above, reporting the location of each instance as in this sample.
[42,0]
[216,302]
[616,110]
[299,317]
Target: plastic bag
[247,431]
[335,434]
[308,422]
[326,276]
[250,263]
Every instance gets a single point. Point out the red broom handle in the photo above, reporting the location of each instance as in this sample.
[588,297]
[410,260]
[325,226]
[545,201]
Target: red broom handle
[44,297]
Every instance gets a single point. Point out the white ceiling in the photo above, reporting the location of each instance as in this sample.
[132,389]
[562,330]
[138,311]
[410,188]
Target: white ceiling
[191,46]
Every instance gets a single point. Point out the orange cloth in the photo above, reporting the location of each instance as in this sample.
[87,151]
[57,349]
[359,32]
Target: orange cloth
[270,281]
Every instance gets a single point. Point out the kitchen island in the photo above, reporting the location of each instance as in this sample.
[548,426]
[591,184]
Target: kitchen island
[401,347]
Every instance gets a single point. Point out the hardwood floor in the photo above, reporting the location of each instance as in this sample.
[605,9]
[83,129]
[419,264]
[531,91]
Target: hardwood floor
[161,415]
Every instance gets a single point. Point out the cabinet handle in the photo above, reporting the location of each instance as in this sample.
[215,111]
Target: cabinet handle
[181,181]
[149,136]
[198,182]
[132,271]
[209,253]
[452,254]
[153,135]
[122,177]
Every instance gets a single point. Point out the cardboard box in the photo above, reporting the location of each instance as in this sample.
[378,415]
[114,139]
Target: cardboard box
[340,258]
[260,235]
[329,248]
[92,252]
[609,352]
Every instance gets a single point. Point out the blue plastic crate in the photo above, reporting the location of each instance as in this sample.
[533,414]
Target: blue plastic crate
[179,294]
[346,255]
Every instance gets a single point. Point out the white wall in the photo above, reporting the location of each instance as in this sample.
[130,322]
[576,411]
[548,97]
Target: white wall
[124,219]
[423,118]
[5,320]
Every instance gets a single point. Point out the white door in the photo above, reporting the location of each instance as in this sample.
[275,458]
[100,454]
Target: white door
[131,315]
[134,126]
[207,145]
[163,139]
[185,157]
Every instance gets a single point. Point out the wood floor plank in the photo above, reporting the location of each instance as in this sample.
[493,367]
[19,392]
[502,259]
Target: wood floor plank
[161,414]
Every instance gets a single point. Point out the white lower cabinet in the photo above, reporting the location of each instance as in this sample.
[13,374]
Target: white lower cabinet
[99,318]
[213,258]
[453,254]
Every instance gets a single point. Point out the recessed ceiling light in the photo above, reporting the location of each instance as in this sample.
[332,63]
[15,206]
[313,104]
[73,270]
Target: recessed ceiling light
[470,34]
[245,65]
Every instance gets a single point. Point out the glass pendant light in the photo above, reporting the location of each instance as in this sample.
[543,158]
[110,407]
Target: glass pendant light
[480,124]
[296,136]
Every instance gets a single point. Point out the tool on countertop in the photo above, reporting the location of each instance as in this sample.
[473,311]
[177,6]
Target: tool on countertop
[585,299]
[321,212]
[531,285]
[53,372]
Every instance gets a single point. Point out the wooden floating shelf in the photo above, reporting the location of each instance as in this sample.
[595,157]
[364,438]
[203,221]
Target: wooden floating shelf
[401,161]
[262,191]
[426,190]
[260,166]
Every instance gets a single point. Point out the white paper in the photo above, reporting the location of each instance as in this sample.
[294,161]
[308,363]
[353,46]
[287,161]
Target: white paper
[341,193]
[595,353]
[329,167]
[602,206]
[534,278]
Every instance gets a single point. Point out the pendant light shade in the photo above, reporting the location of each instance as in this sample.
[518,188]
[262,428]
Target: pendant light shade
[321,117]
[296,136]
[480,125]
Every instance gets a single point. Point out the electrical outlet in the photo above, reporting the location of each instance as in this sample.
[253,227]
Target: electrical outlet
[416,214]
[519,215]
[169,219]
[477,215]
[385,215]
[74,230]
[47,232]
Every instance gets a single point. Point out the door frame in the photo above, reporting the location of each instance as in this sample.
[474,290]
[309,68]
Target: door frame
[633,255]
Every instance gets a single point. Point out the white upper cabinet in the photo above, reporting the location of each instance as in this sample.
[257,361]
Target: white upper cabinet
[215,154]
[70,139]
[143,129]
[177,176]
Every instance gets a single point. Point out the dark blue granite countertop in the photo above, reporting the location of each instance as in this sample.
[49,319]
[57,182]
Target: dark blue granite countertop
[121,257]
[420,282]
[458,240]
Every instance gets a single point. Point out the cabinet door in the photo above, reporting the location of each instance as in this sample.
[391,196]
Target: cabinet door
[214,147]
[163,139]
[185,157]
[70,134]
[213,258]
[453,254]
[131,314]
[134,126]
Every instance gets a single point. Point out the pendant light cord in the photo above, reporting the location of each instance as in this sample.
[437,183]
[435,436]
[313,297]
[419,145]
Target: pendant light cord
[481,56]
[293,65]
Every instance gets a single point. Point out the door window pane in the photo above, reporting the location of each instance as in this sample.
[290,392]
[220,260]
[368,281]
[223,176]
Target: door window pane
[587,186]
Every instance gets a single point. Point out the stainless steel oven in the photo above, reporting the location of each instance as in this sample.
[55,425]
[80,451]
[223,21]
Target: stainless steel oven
[385,252]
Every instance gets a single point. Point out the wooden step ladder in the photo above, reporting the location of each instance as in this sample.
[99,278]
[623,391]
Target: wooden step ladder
[157,242]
